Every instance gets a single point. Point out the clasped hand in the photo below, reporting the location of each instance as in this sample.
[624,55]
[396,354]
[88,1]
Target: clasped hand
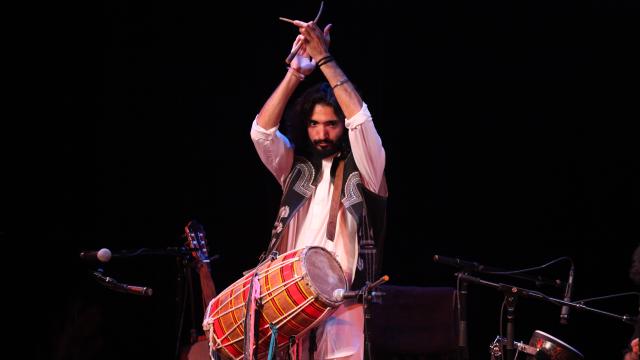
[314,45]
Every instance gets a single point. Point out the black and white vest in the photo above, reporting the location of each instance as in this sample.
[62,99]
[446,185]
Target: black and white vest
[366,207]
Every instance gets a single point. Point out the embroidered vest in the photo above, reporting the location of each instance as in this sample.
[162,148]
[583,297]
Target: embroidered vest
[366,207]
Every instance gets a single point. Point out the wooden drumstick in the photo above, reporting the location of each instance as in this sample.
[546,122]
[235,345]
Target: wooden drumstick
[295,50]
[287,20]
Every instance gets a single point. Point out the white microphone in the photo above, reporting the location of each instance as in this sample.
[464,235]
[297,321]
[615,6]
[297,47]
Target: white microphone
[102,255]
[564,312]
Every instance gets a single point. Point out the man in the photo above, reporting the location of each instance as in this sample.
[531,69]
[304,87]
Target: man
[337,141]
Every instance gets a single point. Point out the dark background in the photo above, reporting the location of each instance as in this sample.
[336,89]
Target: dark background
[507,125]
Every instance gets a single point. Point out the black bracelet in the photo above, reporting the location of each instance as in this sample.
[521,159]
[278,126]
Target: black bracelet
[324,60]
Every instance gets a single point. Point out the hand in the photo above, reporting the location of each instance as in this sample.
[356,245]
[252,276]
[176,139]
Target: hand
[302,62]
[315,42]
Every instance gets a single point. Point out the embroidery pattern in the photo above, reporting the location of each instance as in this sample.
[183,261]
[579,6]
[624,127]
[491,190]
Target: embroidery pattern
[351,194]
[303,186]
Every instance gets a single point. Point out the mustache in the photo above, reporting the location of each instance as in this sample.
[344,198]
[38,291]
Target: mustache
[323,142]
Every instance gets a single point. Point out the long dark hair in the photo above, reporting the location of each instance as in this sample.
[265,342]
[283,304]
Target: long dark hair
[298,116]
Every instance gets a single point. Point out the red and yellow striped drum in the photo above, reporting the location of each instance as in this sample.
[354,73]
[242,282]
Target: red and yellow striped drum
[296,293]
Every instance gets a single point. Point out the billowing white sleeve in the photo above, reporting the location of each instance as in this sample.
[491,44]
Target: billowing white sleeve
[367,149]
[274,149]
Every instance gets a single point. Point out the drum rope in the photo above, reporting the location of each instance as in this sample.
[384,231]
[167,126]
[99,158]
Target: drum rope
[279,321]
[272,343]
[260,276]
[281,287]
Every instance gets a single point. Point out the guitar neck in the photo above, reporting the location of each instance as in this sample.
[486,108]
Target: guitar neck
[206,283]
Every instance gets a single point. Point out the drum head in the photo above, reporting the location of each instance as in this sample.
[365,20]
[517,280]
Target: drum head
[550,348]
[324,273]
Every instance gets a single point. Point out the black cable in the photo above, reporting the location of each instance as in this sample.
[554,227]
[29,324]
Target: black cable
[530,269]
[607,297]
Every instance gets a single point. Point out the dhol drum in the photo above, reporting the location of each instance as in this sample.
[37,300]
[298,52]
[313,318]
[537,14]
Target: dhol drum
[296,293]
[550,348]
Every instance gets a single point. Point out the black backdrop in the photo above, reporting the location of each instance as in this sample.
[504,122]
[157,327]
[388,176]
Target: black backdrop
[508,130]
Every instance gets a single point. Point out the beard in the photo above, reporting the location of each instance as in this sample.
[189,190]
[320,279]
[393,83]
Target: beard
[330,147]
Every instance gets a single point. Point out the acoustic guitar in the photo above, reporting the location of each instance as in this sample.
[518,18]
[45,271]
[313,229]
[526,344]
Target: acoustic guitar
[197,242]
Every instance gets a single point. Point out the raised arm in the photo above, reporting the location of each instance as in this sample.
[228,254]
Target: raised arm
[272,111]
[317,46]
[366,145]
[274,149]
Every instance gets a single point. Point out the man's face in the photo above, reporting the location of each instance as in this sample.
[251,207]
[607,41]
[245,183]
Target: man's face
[325,130]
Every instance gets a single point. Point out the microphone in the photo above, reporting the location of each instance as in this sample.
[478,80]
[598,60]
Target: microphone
[342,294]
[135,290]
[564,312]
[467,265]
[103,255]
[112,284]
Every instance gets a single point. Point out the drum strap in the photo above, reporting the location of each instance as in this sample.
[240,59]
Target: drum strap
[313,345]
[335,201]
[296,348]
[293,348]
[250,330]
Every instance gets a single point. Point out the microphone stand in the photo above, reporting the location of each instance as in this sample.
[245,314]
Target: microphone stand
[513,292]
[189,276]
[510,303]
[474,267]
[463,346]
[180,303]
[462,290]
[184,283]
[185,291]
[366,299]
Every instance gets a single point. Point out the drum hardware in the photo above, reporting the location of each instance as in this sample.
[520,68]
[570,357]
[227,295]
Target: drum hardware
[510,346]
[462,290]
[541,346]
[495,349]
[548,347]
[511,292]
